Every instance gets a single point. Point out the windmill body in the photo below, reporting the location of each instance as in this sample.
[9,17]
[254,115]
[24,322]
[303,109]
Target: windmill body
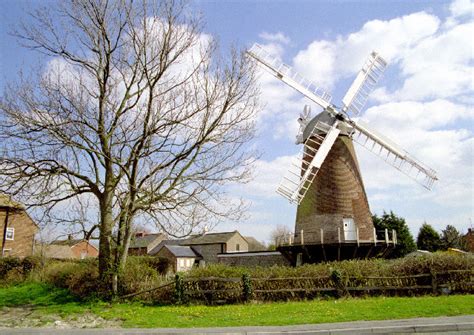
[325,180]
[335,204]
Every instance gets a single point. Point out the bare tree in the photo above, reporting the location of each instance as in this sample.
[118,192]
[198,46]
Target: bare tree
[280,234]
[134,109]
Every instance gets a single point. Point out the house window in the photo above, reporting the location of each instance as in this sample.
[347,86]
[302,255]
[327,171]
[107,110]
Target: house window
[181,262]
[10,234]
[237,247]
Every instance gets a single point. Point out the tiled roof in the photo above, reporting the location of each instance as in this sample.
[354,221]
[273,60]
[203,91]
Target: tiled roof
[68,242]
[55,251]
[6,201]
[155,250]
[143,241]
[254,244]
[181,251]
[210,238]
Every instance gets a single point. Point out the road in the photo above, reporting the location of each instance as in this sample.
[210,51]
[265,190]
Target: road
[442,325]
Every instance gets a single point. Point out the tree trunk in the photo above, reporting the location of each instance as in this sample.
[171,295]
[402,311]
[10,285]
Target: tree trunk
[105,249]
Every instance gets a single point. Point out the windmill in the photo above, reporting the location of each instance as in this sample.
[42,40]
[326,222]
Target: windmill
[325,180]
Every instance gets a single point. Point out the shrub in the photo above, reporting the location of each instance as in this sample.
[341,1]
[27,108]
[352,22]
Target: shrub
[31,263]
[141,273]
[7,264]
[79,277]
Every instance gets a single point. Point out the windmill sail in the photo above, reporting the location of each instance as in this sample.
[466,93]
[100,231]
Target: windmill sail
[290,77]
[302,172]
[358,93]
[393,155]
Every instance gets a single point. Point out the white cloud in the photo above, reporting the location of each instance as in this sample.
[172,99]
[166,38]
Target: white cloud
[426,107]
[317,63]
[267,176]
[278,37]
[327,61]
[460,8]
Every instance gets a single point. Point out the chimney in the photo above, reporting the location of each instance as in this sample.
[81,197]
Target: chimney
[205,230]
[69,237]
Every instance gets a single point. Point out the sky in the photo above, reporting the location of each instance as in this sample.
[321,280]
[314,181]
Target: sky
[424,102]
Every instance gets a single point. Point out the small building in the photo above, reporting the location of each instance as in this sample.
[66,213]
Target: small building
[181,258]
[54,251]
[79,249]
[206,247]
[143,243]
[468,240]
[209,245]
[18,229]
[254,244]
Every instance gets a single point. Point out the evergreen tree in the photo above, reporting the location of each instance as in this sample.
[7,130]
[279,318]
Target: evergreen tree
[428,238]
[405,241]
[451,238]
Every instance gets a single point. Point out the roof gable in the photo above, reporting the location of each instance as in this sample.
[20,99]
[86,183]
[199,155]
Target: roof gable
[144,241]
[212,238]
[6,201]
[71,242]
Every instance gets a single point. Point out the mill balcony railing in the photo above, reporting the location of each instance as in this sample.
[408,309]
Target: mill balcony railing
[384,236]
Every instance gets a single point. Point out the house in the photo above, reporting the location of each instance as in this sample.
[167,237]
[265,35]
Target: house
[254,244]
[54,251]
[78,248]
[18,229]
[209,245]
[143,243]
[468,240]
[181,258]
[205,247]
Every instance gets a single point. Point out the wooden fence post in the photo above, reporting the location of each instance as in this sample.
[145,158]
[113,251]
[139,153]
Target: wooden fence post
[434,282]
[247,291]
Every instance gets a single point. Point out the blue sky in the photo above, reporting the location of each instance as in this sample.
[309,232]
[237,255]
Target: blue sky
[424,102]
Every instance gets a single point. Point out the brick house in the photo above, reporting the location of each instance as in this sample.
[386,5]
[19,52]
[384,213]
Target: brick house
[142,243]
[79,249]
[18,229]
[205,247]
[468,240]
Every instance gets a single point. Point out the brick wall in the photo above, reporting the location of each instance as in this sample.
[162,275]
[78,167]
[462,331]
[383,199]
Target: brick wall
[24,233]
[336,193]
[266,258]
[84,249]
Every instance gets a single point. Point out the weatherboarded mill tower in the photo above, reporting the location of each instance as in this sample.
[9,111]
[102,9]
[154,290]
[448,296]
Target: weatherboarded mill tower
[333,219]
[335,208]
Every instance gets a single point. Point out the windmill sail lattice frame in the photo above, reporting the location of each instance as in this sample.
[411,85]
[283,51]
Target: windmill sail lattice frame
[322,137]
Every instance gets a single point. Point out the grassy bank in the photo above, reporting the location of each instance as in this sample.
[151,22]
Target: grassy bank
[46,300]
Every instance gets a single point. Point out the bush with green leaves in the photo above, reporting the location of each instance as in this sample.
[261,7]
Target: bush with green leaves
[428,238]
[405,241]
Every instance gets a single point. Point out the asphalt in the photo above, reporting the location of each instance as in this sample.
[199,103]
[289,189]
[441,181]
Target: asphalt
[440,325]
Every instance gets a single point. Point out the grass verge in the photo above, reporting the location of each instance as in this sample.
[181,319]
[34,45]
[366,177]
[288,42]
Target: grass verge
[48,300]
